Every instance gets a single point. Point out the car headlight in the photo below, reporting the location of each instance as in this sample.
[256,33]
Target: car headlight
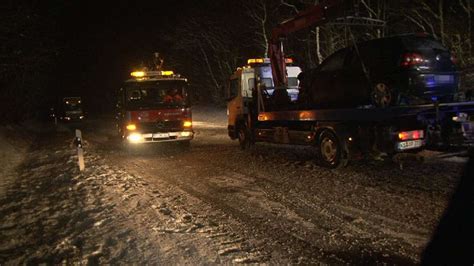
[135,137]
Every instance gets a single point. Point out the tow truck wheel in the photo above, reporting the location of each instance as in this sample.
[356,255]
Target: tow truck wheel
[330,150]
[243,134]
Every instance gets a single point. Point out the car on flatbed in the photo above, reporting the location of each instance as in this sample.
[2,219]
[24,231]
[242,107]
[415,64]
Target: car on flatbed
[399,70]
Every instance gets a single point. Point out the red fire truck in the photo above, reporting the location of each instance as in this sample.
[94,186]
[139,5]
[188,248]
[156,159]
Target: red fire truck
[154,106]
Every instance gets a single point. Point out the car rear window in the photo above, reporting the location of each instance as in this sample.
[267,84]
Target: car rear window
[422,43]
[335,61]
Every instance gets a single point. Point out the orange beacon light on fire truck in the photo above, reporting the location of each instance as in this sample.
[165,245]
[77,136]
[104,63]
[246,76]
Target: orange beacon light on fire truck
[138,74]
[143,74]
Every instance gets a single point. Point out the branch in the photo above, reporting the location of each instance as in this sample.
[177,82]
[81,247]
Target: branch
[466,6]
[371,11]
[425,20]
[283,2]
[416,22]
[430,10]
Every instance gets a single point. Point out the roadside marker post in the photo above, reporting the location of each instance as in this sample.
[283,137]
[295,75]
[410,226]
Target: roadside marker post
[80,152]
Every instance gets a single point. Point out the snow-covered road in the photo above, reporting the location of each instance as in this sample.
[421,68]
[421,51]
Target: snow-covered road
[215,203]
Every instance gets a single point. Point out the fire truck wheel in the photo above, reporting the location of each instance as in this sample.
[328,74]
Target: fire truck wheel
[330,152]
[184,145]
[243,134]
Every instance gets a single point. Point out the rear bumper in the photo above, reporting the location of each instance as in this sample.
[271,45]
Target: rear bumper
[138,138]
[440,87]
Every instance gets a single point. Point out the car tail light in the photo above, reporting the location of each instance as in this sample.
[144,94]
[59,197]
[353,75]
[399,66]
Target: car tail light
[412,59]
[409,135]
[454,60]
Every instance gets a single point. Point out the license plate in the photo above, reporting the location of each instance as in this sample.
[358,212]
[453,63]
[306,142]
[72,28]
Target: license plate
[444,78]
[161,135]
[468,130]
[410,144]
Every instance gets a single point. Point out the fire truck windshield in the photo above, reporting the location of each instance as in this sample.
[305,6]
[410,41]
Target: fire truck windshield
[152,94]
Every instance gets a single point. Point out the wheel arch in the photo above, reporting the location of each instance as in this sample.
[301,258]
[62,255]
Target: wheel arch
[239,121]
[342,133]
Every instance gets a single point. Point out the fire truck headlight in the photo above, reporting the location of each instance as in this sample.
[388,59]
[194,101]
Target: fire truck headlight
[185,134]
[135,137]
[131,127]
[187,123]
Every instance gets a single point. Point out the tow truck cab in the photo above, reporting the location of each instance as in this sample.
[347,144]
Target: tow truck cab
[154,106]
[243,83]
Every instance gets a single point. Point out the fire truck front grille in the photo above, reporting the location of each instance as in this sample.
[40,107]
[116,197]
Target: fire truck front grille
[161,126]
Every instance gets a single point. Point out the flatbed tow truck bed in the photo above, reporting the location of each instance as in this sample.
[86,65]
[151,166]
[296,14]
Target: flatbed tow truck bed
[391,130]
[423,112]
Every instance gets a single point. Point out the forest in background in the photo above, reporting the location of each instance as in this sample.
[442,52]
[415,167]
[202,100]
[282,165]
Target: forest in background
[212,45]
[204,41]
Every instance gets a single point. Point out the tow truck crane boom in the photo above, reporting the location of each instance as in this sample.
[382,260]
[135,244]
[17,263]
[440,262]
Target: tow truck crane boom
[313,16]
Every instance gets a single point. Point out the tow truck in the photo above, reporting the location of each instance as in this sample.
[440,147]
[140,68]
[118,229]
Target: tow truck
[154,106]
[243,83]
[68,109]
[338,135]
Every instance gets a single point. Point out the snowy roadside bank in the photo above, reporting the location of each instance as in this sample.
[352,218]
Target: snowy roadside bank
[53,213]
[12,152]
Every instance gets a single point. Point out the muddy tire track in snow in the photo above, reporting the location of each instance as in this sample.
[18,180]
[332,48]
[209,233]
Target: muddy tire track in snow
[294,226]
[283,208]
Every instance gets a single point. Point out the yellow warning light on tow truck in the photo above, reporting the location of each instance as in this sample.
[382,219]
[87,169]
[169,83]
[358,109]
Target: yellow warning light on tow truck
[167,73]
[266,61]
[137,74]
[255,61]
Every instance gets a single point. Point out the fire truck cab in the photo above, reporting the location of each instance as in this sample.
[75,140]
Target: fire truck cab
[154,106]
[242,87]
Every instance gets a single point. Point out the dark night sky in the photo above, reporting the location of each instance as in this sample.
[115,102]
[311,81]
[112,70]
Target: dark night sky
[104,40]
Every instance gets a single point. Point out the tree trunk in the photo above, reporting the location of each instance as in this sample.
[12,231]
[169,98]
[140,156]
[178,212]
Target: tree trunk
[209,68]
[441,20]
[318,46]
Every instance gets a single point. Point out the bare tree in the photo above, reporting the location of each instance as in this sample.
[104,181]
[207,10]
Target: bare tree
[468,9]
[209,52]
[259,11]
[428,16]
[27,53]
